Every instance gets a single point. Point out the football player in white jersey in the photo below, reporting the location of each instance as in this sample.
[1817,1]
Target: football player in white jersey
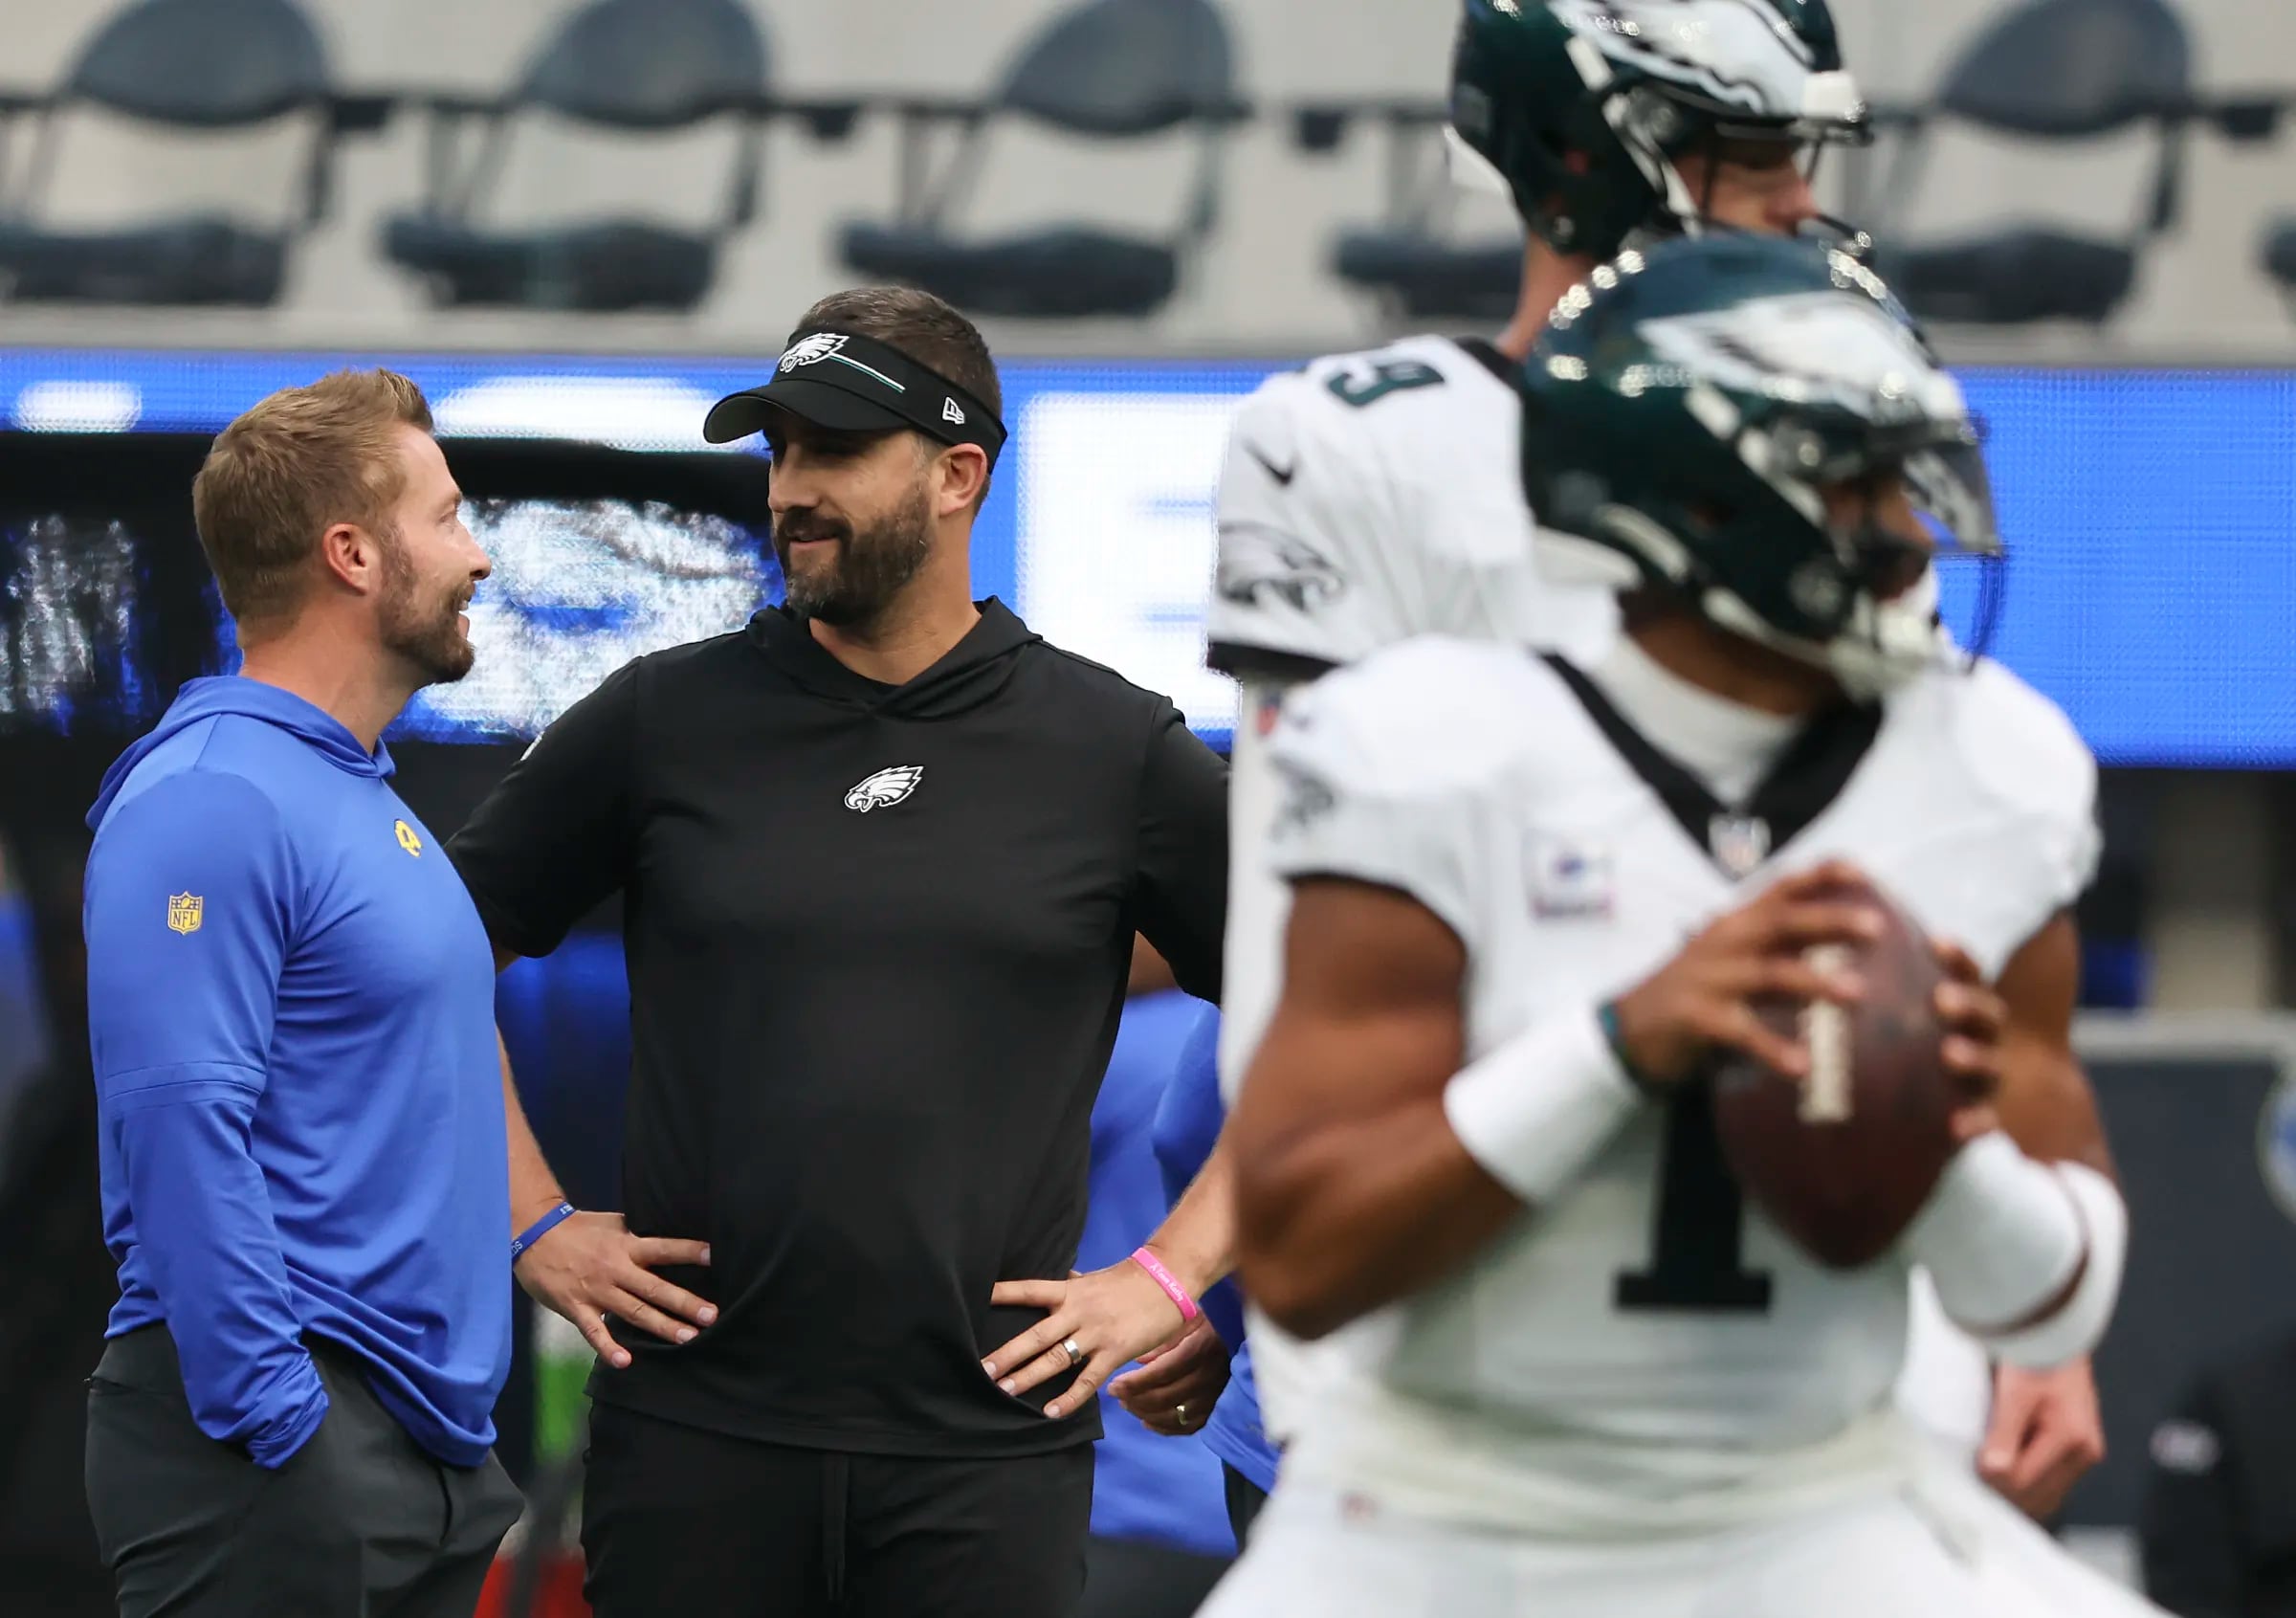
[1475,1148]
[1372,497]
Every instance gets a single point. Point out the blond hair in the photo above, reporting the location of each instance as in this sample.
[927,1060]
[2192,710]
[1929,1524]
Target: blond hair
[292,467]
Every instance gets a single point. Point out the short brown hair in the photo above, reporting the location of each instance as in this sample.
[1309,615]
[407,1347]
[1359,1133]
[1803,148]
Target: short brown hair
[926,328]
[295,464]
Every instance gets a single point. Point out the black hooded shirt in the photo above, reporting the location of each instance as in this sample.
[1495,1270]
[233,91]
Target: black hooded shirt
[877,941]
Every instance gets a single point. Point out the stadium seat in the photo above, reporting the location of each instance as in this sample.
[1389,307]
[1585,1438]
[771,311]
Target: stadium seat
[1109,70]
[652,65]
[2050,70]
[1408,262]
[189,64]
[2279,255]
[1423,277]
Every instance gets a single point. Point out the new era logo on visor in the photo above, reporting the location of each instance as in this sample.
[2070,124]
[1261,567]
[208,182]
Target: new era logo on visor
[885,788]
[951,411]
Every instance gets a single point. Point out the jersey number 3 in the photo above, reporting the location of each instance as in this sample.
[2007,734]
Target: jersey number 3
[1697,1259]
[1390,376]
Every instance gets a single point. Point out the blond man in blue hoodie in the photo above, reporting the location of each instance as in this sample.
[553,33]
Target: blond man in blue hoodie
[291,1010]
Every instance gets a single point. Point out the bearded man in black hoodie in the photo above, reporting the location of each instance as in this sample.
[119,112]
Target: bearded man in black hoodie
[883,853]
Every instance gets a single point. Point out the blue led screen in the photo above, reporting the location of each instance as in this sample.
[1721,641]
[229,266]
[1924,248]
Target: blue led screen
[2151,587]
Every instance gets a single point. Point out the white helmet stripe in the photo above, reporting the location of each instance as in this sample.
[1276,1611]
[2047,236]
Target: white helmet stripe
[1781,30]
[1735,53]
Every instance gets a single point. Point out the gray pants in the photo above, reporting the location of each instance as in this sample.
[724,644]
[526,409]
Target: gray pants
[360,1522]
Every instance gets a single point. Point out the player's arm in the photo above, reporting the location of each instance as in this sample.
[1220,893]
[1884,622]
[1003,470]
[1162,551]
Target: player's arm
[2045,1429]
[2045,1102]
[1371,1163]
[1354,1187]
[2026,1235]
[550,842]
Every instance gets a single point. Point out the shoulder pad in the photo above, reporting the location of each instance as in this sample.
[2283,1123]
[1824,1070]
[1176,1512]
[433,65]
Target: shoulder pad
[2019,751]
[2020,748]
[1425,718]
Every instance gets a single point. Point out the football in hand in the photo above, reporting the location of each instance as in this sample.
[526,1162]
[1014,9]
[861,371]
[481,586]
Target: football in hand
[1842,1161]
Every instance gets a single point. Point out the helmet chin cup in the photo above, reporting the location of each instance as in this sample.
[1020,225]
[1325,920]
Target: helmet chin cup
[1882,646]
[1888,643]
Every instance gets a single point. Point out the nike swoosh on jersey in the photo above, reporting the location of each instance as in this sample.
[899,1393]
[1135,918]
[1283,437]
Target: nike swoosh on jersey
[1283,474]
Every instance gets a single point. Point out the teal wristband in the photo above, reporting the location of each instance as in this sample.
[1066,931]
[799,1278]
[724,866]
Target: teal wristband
[1606,1016]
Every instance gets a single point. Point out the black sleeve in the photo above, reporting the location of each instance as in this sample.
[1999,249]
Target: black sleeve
[2188,1525]
[558,833]
[1179,881]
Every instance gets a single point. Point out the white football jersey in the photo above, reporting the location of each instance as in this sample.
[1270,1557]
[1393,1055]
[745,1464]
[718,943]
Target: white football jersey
[1645,1331]
[1370,498]
[1365,498]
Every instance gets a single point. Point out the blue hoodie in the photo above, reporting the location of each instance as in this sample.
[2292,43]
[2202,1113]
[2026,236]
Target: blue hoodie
[1144,1487]
[1187,1126]
[291,1007]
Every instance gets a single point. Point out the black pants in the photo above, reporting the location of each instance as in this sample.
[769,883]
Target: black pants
[360,1522]
[1245,1498]
[678,1520]
[1134,1579]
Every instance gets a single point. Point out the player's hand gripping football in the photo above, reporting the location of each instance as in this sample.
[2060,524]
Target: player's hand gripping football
[1972,1016]
[591,1267]
[1703,1002]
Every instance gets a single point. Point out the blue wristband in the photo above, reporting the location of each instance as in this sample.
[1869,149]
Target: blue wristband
[540,1228]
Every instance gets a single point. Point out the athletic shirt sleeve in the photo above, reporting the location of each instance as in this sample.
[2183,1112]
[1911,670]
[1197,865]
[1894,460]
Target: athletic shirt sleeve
[1302,583]
[2031,765]
[192,904]
[558,833]
[1380,781]
[1370,498]
[1180,885]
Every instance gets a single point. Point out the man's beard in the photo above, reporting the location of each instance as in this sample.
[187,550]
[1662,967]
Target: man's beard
[857,581]
[422,629]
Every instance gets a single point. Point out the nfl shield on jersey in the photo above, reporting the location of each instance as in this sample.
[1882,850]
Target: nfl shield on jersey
[1646,1336]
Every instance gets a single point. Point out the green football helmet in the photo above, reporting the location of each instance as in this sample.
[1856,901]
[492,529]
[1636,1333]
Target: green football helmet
[1578,109]
[1688,408]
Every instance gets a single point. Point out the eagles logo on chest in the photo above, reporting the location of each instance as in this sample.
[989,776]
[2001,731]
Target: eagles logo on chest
[885,788]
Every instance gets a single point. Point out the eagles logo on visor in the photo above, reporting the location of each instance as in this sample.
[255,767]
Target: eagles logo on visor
[848,383]
[807,349]
[827,345]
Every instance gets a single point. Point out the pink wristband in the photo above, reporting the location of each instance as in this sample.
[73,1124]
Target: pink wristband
[1166,1279]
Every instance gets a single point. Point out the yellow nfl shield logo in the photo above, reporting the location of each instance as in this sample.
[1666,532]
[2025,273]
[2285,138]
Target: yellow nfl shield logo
[183,912]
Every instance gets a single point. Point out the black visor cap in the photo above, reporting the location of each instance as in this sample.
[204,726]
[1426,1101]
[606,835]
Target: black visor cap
[848,383]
